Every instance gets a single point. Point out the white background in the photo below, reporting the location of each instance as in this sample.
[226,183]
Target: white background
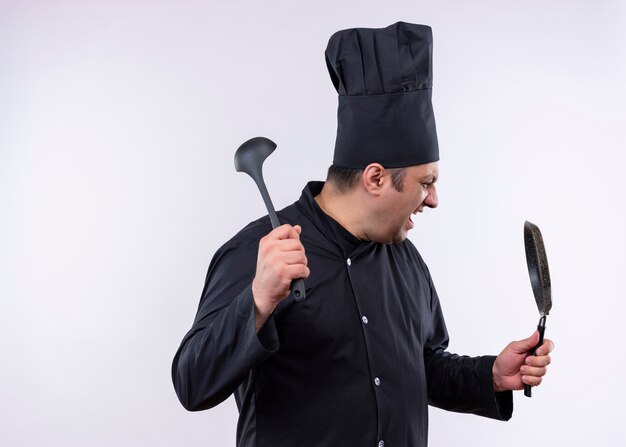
[118,125]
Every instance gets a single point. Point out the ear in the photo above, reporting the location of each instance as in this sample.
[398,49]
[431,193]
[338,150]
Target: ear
[373,178]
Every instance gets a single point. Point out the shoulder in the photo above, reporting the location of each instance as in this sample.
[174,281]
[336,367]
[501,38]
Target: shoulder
[248,237]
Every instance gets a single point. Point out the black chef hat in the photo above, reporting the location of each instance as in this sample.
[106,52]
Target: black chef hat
[384,80]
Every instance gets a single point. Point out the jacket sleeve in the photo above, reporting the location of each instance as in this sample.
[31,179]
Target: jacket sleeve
[222,346]
[461,383]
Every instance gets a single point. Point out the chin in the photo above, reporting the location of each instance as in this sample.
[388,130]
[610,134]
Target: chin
[385,239]
[398,238]
[390,238]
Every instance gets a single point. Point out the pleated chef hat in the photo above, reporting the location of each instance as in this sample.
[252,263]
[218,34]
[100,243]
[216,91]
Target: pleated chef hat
[384,80]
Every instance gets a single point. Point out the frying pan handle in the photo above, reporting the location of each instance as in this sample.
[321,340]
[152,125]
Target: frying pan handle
[541,327]
[297,289]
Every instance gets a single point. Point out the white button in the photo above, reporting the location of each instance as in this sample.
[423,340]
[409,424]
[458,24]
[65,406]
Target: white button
[364,319]
[376,381]
[381,443]
[349,262]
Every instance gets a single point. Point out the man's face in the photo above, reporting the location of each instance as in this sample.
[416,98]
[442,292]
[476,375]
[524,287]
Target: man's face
[392,210]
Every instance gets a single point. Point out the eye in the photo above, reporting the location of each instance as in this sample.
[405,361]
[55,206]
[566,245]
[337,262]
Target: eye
[425,185]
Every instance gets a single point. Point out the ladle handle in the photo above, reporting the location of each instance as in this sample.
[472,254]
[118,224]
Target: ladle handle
[297,289]
[541,327]
[297,285]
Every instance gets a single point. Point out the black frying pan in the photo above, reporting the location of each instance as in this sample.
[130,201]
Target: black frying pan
[539,280]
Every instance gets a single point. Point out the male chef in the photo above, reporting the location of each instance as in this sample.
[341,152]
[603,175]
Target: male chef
[360,359]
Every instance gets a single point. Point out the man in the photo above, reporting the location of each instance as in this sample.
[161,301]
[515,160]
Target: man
[358,361]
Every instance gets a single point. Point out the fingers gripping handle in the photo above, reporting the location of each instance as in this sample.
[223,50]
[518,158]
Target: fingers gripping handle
[541,327]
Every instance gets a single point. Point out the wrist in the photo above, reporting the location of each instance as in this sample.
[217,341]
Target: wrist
[263,308]
[495,378]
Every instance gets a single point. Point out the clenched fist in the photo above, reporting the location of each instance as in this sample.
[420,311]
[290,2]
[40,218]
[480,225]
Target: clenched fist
[281,258]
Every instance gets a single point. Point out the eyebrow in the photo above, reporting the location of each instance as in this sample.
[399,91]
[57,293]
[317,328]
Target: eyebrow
[430,178]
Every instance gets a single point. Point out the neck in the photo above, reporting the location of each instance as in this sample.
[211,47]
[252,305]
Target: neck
[343,207]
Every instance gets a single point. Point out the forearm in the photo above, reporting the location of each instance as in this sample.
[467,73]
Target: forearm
[465,384]
[218,353]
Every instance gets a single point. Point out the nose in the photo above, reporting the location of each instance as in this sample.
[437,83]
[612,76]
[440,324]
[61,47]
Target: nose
[432,200]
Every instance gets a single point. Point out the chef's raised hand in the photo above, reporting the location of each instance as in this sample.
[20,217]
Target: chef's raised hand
[280,259]
[514,367]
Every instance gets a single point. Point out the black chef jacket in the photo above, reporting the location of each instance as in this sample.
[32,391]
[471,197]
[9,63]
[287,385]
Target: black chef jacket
[355,364]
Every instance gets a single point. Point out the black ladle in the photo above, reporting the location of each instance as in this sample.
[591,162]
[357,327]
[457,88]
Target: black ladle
[249,158]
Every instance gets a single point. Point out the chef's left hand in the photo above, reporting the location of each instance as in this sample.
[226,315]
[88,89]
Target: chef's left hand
[514,367]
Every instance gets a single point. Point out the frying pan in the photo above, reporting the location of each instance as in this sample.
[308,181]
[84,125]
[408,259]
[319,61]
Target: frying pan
[539,280]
